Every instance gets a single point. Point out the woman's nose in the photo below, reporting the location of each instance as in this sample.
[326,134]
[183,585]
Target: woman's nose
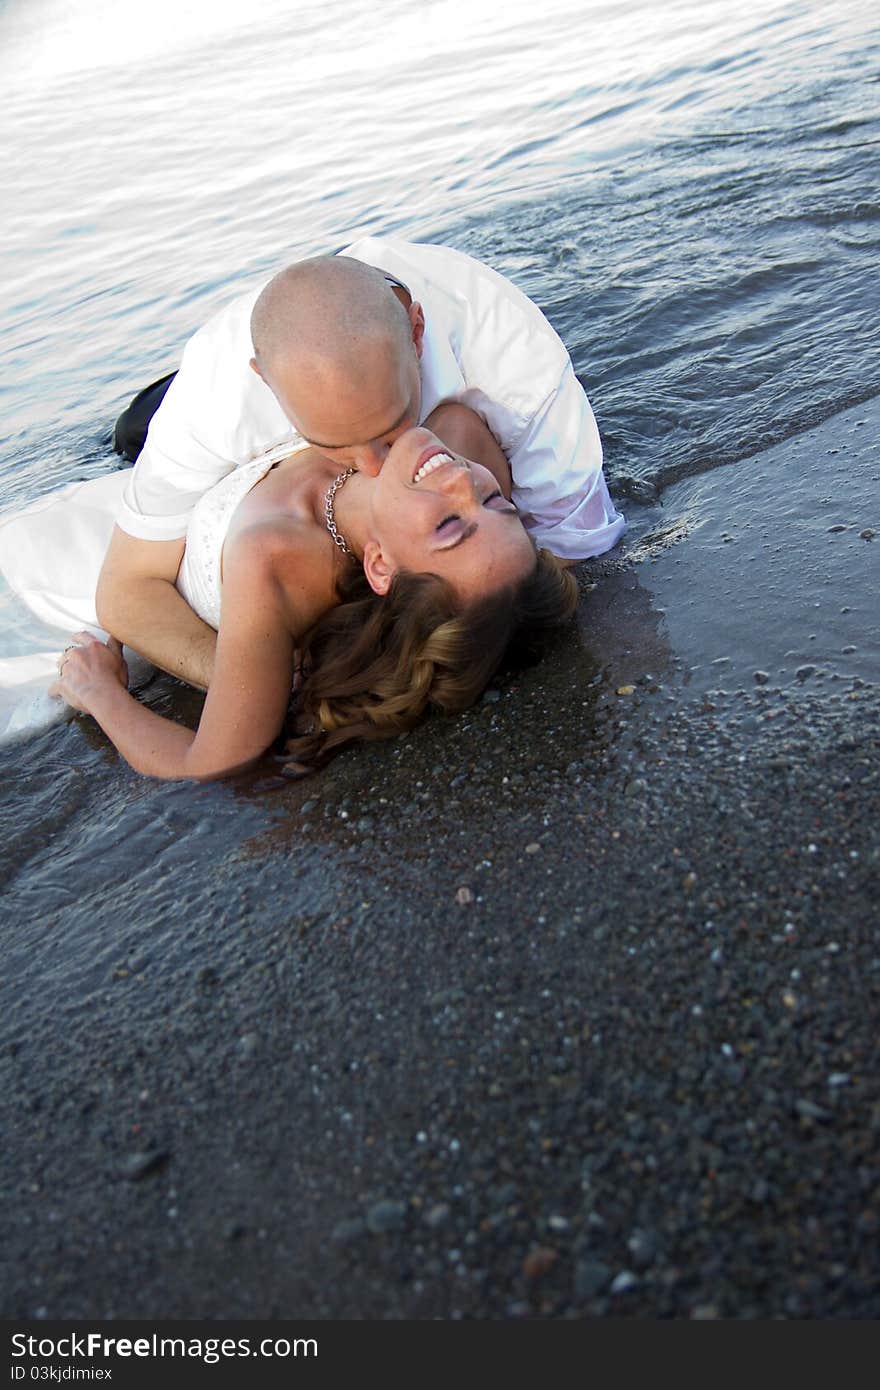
[457,482]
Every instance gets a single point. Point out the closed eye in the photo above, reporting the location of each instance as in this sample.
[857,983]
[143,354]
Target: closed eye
[496,496]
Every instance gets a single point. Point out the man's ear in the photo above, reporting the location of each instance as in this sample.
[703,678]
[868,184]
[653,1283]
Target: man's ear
[255,367]
[417,324]
[377,568]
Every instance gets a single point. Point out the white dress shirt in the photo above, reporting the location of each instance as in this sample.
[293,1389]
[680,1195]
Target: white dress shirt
[486,344]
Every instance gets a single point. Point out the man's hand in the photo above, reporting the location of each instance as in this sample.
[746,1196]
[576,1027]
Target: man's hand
[137,602]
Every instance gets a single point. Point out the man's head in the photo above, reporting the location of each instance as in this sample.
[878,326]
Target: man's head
[340,352]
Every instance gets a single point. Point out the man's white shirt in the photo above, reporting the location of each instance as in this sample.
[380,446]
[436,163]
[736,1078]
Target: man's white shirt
[486,344]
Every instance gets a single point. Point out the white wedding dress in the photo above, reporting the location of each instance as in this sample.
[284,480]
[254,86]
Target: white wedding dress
[51,553]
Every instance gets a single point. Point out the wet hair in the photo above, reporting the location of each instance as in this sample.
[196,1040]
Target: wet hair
[374,667]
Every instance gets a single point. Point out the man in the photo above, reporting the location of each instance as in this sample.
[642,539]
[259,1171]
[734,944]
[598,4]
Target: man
[346,353]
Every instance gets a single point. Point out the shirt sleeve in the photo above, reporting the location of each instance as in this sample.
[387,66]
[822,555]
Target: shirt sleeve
[558,484]
[204,427]
[172,472]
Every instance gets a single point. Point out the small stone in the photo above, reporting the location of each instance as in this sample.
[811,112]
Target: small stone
[808,1111]
[533,848]
[137,963]
[590,1278]
[140,1165]
[308,806]
[248,1044]
[642,1246]
[344,1232]
[463,895]
[386,1216]
[558,1223]
[519,1309]
[437,1216]
[761,677]
[804,672]
[625,689]
[838,1078]
[538,1261]
[832,530]
[867,535]
[624,1281]
[635,786]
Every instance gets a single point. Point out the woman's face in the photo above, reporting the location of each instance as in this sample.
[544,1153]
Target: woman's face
[432,511]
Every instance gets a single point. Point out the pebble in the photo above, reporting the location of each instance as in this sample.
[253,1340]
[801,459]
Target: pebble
[437,1216]
[590,1278]
[463,895]
[386,1216]
[533,848]
[248,1044]
[761,677]
[867,535]
[625,1281]
[833,529]
[538,1261]
[140,1165]
[625,689]
[804,672]
[808,1111]
[344,1232]
[642,1246]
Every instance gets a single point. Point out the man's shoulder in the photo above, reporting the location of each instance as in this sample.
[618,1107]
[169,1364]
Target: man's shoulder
[472,297]
[216,396]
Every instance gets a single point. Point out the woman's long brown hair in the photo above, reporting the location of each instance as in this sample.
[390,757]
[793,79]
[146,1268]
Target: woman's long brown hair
[375,666]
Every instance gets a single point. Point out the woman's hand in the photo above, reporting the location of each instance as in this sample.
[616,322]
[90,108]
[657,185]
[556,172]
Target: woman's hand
[87,666]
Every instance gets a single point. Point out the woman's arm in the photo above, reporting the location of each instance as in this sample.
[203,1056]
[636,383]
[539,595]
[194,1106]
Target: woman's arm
[249,693]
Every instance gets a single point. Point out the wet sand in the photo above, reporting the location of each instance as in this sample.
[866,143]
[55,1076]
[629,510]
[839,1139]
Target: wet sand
[567,1008]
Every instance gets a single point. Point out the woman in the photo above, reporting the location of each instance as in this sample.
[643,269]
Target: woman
[398,592]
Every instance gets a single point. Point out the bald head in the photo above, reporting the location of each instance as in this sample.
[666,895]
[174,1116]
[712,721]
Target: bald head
[327,312]
[339,351]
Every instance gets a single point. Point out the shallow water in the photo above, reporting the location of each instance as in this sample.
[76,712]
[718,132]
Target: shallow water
[688,192]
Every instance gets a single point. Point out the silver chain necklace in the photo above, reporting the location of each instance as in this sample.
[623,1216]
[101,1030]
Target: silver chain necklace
[329,518]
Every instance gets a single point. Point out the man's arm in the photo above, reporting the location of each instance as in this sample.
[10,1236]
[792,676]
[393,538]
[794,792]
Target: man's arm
[137,603]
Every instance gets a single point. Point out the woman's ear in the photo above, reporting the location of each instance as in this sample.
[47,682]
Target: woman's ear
[377,568]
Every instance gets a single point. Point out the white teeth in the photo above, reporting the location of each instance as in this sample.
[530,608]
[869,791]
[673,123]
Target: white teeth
[435,461]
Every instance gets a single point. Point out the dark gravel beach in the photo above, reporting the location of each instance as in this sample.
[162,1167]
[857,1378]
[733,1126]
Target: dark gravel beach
[566,1008]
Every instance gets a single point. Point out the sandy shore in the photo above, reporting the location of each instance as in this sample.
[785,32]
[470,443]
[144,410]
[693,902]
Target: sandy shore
[567,1008]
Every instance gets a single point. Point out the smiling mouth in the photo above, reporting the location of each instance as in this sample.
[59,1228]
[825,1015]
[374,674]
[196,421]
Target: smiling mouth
[438,459]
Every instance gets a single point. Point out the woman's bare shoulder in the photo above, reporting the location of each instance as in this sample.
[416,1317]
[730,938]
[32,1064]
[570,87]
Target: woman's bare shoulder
[287,557]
